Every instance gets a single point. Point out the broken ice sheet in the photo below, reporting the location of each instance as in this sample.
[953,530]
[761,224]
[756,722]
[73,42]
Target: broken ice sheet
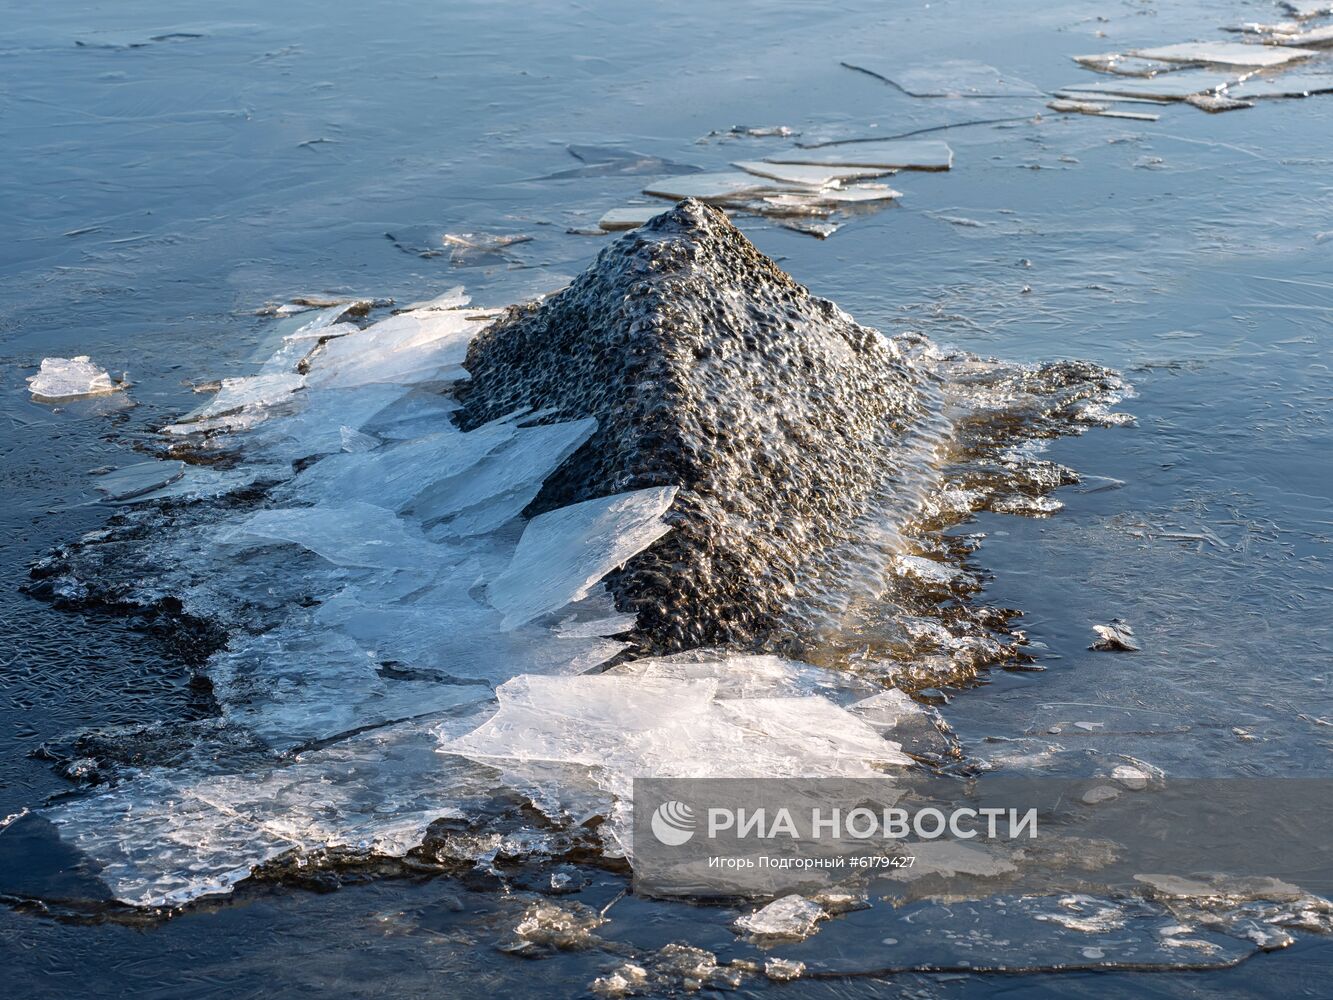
[905,154]
[307,681]
[811,176]
[351,534]
[444,637]
[1168,86]
[135,480]
[163,839]
[621,727]
[240,403]
[1098,110]
[744,676]
[1225,54]
[1215,103]
[1315,38]
[950,78]
[62,379]
[792,917]
[603,161]
[1306,9]
[629,217]
[453,298]
[481,248]
[856,193]
[1124,65]
[410,348]
[564,552]
[713,187]
[499,486]
[1287,85]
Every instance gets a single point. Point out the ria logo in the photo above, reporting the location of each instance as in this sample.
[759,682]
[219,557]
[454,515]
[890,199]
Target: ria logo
[673,823]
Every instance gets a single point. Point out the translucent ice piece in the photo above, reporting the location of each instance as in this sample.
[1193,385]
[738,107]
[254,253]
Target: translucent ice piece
[1098,110]
[315,428]
[629,217]
[713,187]
[69,378]
[135,480]
[789,917]
[1214,103]
[1225,54]
[835,196]
[454,298]
[1287,85]
[448,638]
[393,475]
[1168,86]
[1306,9]
[505,480]
[407,348]
[241,402]
[163,839]
[299,684]
[813,176]
[886,710]
[738,675]
[954,78]
[562,553]
[1314,38]
[353,534]
[906,154]
[1123,65]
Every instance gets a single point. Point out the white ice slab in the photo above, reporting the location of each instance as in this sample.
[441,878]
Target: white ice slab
[1226,54]
[812,176]
[713,187]
[906,154]
[69,378]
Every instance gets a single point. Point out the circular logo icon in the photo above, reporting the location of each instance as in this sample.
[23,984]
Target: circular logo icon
[673,823]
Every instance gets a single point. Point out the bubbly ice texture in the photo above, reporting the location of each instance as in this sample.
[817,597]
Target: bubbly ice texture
[63,379]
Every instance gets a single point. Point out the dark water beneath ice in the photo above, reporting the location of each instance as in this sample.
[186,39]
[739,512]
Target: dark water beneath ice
[168,168]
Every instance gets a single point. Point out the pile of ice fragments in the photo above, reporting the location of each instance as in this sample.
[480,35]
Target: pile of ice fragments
[404,645]
[814,187]
[423,645]
[1286,58]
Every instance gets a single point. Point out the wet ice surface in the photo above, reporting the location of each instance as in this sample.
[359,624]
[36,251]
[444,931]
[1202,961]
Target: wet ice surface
[62,379]
[1218,560]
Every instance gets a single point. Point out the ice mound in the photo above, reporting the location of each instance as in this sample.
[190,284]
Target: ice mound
[707,368]
[62,379]
[418,565]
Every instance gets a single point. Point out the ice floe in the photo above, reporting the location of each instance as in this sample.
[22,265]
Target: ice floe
[1225,54]
[903,154]
[956,78]
[63,379]
[1092,108]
